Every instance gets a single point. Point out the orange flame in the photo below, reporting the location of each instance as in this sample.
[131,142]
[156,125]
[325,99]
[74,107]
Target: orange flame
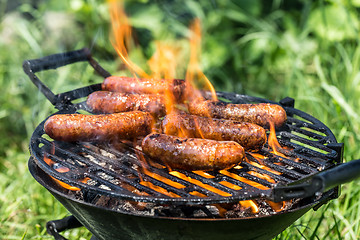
[273,142]
[250,204]
[167,181]
[262,176]
[194,70]
[158,189]
[230,185]
[122,34]
[164,62]
[265,168]
[242,179]
[198,194]
[278,207]
[63,170]
[199,183]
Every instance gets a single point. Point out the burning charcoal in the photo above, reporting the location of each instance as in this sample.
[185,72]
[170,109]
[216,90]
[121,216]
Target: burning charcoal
[108,202]
[102,186]
[200,214]
[213,210]
[107,154]
[169,211]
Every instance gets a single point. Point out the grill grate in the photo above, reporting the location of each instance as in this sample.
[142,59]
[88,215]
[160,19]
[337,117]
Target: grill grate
[119,172]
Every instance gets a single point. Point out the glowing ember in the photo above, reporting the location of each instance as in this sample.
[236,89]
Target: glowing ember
[264,167]
[278,207]
[157,177]
[230,185]
[250,204]
[197,182]
[257,155]
[158,189]
[162,179]
[203,174]
[242,179]
[262,176]
[198,194]
[62,169]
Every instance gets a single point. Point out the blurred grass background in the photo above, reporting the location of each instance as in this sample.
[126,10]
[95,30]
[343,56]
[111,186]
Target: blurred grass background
[308,50]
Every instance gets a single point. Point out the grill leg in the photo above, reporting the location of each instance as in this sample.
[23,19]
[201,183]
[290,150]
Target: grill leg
[56,226]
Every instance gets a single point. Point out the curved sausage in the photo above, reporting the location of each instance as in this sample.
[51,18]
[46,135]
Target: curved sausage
[144,85]
[192,153]
[261,113]
[80,127]
[113,102]
[248,135]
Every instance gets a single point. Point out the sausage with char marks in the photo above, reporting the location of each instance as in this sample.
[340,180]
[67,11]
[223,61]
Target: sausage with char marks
[261,113]
[144,85]
[113,102]
[80,127]
[192,153]
[248,135]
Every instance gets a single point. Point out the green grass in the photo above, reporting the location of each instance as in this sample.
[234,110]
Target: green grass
[268,49]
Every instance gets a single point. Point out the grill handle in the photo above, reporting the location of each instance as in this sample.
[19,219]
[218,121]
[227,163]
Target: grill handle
[319,183]
[54,61]
[56,226]
[339,174]
[58,60]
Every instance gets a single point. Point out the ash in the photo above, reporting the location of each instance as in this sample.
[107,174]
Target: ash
[213,211]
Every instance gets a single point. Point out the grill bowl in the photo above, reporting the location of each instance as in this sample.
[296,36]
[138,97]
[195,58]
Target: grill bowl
[109,224]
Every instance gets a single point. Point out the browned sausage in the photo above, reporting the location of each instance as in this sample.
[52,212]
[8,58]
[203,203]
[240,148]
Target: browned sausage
[248,135]
[144,85]
[113,102]
[80,127]
[192,153]
[261,114]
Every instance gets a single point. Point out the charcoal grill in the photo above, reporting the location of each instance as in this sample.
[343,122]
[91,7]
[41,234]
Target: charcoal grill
[308,166]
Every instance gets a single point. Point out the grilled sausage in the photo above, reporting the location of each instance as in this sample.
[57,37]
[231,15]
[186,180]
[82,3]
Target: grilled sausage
[192,153]
[248,135]
[80,127]
[262,114]
[143,85]
[113,102]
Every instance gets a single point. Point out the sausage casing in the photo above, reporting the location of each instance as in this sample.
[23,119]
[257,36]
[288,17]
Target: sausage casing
[144,85]
[248,135]
[262,113]
[113,102]
[80,127]
[192,153]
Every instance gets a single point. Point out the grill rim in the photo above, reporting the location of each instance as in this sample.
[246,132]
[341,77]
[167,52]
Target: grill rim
[170,200]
